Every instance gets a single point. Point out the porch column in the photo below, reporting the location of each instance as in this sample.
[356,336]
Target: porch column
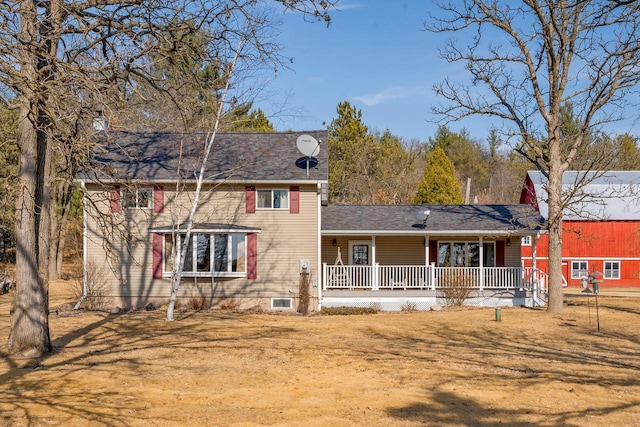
[426,251]
[374,266]
[481,256]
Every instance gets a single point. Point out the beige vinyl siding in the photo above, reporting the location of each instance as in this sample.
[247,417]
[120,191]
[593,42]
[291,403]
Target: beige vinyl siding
[390,250]
[512,254]
[400,250]
[403,250]
[285,239]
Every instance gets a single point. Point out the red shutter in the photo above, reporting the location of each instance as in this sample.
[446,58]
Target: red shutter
[500,253]
[250,200]
[252,256]
[158,199]
[157,256]
[115,200]
[294,199]
[433,252]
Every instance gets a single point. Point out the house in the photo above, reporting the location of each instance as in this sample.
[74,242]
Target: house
[257,223]
[264,232]
[601,226]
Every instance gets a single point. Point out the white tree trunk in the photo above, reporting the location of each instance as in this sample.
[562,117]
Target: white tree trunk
[178,264]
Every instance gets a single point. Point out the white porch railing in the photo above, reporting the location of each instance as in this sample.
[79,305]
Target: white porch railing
[406,277]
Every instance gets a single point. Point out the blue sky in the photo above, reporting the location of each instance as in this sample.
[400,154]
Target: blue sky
[375,55]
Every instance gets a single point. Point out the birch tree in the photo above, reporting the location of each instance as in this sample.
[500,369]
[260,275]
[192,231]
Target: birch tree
[60,60]
[528,58]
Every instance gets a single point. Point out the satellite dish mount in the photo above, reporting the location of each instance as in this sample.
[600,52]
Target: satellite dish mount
[309,147]
[422,214]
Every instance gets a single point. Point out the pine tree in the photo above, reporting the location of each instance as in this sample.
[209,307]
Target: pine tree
[440,185]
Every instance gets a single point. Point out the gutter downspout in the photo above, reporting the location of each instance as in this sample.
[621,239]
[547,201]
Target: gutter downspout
[84,249]
[319,248]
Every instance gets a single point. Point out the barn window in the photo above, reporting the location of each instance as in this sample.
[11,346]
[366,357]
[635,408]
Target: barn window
[612,269]
[579,269]
[526,241]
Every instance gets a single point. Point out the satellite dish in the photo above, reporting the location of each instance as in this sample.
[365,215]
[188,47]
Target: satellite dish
[422,214]
[308,145]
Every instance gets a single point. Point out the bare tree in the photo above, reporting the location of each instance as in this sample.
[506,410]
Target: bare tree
[60,59]
[528,58]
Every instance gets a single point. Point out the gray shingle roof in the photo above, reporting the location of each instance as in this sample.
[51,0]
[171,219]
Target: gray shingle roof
[612,195]
[253,157]
[442,220]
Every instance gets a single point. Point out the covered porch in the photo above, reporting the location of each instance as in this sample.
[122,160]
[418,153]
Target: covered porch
[388,255]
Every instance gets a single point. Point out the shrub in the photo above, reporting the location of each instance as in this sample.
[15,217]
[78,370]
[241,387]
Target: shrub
[229,304]
[198,303]
[96,298]
[409,307]
[457,287]
[345,311]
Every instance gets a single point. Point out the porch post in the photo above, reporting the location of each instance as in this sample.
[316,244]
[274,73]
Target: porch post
[324,276]
[432,273]
[374,266]
[426,250]
[481,249]
[375,272]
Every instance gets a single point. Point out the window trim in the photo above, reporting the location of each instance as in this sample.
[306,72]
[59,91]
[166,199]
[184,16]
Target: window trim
[604,269]
[123,197]
[289,299]
[194,267]
[575,272]
[271,190]
[525,241]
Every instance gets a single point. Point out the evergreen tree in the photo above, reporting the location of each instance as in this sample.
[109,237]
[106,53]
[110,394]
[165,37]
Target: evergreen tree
[349,149]
[440,185]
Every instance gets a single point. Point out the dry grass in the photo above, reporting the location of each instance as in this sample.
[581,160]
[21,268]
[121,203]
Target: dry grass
[422,368]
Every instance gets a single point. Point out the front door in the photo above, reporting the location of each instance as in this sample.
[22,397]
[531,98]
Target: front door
[360,255]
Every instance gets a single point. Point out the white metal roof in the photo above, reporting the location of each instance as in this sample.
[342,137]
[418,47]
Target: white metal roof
[593,195]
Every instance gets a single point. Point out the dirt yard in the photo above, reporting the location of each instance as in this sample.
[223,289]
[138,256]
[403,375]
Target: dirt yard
[399,369]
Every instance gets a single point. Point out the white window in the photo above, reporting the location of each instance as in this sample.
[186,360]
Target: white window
[273,199]
[210,255]
[526,241]
[281,303]
[579,269]
[465,254]
[612,269]
[137,198]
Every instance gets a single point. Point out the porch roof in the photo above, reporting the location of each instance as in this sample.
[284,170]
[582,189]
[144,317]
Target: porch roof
[443,220]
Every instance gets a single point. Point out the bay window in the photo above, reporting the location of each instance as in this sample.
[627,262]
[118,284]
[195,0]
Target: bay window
[210,254]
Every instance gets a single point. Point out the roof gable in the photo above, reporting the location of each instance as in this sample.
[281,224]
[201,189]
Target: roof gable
[252,157]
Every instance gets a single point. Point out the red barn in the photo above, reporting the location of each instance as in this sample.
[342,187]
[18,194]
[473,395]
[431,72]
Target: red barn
[601,226]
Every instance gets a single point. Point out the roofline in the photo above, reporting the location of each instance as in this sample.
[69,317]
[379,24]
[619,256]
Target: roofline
[193,181]
[227,230]
[432,233]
